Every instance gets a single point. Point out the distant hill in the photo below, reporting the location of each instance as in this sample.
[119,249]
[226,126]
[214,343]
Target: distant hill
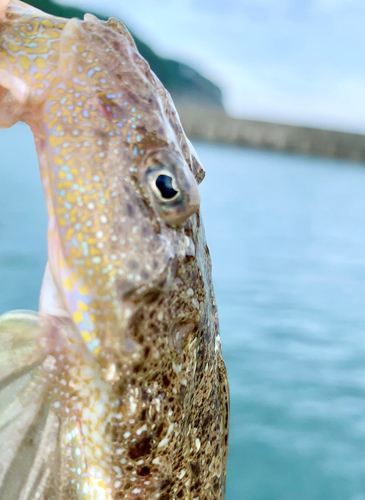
[186,85]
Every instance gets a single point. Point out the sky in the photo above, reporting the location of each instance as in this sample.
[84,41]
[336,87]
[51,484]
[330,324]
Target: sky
[290,61]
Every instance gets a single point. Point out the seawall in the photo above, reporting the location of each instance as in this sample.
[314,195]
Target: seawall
[216,126]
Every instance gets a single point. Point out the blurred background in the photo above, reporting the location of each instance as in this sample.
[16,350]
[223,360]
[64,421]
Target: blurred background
[273,95]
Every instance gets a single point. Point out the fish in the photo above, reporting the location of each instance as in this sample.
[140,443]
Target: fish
[116,388]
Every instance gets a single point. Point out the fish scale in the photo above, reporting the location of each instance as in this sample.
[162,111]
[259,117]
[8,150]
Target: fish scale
[118,383]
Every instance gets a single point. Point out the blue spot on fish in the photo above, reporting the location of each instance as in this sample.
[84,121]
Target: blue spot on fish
[85,248]
[84,325]
[94,344]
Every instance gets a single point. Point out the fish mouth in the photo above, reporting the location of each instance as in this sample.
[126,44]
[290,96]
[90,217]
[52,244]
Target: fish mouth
[121,340]
[136,297]
[122,345]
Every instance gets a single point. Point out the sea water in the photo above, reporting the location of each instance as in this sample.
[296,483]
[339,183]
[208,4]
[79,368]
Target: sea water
[287,239]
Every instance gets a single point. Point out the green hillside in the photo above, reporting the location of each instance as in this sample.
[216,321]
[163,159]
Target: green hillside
[185,84]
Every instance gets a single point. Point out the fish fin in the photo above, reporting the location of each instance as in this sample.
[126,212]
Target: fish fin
[29,429]
[44,432]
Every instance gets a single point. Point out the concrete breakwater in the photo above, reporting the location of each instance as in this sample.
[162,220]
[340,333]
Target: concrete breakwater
[215,126]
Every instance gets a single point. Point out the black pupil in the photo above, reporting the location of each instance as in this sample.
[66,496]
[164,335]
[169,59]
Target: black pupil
[164,184]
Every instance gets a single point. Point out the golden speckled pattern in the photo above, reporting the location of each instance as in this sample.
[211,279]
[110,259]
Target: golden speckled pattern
[117,388]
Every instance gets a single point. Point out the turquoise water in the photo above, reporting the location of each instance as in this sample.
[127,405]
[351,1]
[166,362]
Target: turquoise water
[287,238]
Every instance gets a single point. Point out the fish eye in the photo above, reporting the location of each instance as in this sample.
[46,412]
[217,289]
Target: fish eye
[170,186]
[165,184]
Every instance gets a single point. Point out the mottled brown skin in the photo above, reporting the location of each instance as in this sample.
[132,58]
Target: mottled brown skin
[195,399]
[129,275]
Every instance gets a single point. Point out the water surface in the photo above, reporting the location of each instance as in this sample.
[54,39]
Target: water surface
[287,238]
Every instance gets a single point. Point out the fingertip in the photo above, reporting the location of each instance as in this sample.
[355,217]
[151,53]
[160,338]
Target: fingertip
[18,88]
[3,6]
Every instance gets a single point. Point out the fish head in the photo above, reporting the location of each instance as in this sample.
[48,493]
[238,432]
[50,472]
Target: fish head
[119,175]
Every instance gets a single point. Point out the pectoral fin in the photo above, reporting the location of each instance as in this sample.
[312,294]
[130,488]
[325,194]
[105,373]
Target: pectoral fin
[29,428]
[50,395]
